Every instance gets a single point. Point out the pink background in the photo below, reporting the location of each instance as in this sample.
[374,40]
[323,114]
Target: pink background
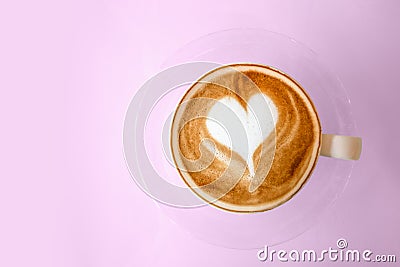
[68,72]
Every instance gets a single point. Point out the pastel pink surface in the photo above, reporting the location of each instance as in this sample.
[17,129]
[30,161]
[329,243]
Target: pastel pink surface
[69,70]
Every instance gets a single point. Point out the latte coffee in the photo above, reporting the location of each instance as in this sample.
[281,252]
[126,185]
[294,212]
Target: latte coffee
[245,137]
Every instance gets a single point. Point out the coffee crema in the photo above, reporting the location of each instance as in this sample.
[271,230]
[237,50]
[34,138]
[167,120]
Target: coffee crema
[280,164]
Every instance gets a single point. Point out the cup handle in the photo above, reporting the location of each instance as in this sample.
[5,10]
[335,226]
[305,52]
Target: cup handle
[341,146]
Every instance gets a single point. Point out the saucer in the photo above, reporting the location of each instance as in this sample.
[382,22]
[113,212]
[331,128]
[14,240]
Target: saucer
[150,126]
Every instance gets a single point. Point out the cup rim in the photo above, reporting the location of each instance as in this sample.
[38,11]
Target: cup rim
[284,199]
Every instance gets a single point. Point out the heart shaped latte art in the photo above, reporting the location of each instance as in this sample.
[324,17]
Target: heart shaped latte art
[242,129]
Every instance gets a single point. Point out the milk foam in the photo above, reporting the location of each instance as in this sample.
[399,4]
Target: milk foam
[242,130]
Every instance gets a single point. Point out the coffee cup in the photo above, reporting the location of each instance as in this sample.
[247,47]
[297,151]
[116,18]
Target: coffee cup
[246,137]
